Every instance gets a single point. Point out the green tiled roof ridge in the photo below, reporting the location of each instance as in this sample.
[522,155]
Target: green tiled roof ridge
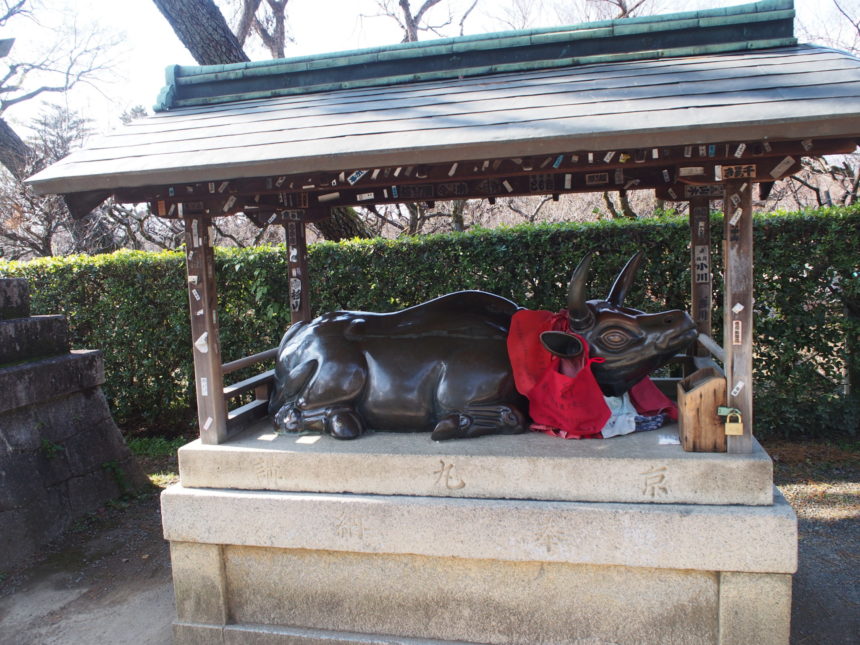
[607,26]
[767,23]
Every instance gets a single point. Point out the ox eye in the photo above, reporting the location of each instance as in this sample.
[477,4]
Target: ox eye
[615,338]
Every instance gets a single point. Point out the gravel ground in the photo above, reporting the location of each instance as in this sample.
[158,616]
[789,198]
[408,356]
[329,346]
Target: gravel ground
[109,579]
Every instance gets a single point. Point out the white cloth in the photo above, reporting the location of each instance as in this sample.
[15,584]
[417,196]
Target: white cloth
[623,419]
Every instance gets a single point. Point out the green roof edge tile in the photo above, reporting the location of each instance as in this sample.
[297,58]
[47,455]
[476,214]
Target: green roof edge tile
[757,25]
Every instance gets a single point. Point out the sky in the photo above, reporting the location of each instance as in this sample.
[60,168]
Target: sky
[147,45]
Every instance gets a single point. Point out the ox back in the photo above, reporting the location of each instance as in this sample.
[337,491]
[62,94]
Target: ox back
[440,366]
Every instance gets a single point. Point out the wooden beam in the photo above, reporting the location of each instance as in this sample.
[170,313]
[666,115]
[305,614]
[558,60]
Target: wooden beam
[738,307]
[701,287]
[297,261]
[298,191]
[672,181]
[203,301]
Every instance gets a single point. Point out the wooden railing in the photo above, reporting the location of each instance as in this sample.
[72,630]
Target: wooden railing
[691,363]
[260,384]
[715,351]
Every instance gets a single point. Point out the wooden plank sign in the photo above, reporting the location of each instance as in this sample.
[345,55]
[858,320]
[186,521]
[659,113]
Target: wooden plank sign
[699,396]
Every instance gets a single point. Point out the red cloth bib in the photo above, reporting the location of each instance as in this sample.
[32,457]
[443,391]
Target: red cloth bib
[572,405]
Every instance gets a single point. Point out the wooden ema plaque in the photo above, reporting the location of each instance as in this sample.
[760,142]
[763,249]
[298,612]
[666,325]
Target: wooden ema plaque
[699,396]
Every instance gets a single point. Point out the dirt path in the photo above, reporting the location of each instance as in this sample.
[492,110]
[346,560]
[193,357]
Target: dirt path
[822,483]
[110,582]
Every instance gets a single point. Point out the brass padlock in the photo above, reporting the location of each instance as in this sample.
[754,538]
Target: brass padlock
[734,424]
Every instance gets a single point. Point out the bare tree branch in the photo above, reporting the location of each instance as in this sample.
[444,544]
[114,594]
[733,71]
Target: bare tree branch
[466,15]
[13,9]
[529,217]
[816,191]
[855,21]
[246,19]
[375,212]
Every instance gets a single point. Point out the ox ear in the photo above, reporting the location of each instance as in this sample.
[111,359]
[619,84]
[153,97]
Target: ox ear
[624,280]
[578,312]
[560,344]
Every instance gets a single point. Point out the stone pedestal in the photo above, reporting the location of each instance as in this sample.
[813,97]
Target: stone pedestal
[525,539]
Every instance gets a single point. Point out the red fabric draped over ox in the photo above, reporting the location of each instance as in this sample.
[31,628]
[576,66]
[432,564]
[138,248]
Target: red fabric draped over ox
[571,402]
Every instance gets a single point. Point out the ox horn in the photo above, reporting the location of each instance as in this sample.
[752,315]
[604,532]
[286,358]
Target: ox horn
[579,314]
[624,280]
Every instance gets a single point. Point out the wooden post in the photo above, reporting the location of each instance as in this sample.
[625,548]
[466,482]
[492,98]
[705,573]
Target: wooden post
[701,288]
[738,306]
[203,300]
[300,306]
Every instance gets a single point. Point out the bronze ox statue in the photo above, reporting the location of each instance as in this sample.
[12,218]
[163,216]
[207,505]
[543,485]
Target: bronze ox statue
[443,366]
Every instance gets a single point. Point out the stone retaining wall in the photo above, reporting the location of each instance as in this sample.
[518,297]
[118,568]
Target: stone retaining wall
[61,455]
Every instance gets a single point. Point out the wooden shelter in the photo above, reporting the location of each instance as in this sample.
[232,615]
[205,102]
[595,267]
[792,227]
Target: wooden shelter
[698,106]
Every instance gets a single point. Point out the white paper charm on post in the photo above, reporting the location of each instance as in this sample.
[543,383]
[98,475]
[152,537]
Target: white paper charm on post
[202,343]
[295,294]
[737,332]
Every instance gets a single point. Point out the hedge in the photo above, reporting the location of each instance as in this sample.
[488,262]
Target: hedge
[133,305]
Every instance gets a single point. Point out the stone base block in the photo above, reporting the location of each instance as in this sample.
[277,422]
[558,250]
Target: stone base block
[59,460]
[14,298]
[647,467]
[277,568]
[704,538]
[50,378]
[196,634]
[32,338]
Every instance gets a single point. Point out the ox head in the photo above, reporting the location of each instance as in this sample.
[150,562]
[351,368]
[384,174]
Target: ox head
[631,343]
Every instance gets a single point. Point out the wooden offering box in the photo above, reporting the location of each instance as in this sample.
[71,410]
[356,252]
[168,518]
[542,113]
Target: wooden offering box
[699,396]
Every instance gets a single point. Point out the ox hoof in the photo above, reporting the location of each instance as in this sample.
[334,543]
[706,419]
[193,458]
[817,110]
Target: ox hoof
[288,419]
[453,426]
[345,425]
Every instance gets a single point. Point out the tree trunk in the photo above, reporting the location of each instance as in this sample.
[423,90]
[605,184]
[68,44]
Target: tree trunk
[13,151]
[246,21]
[344,224]
[201,27]
[624,200]
[457,221]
